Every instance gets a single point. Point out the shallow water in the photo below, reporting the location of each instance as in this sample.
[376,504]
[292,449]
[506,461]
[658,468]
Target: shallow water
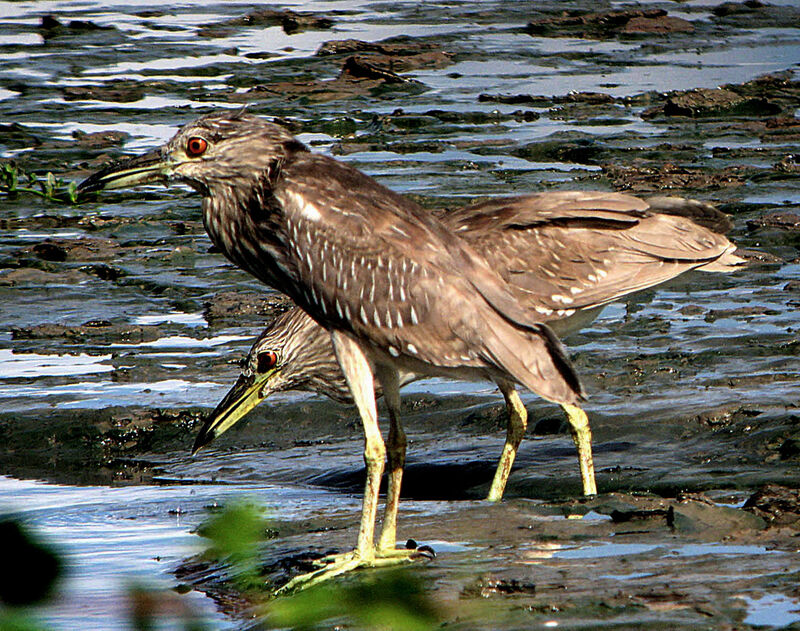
[680,400]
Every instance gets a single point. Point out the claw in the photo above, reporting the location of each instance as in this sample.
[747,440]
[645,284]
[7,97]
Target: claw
[337,564]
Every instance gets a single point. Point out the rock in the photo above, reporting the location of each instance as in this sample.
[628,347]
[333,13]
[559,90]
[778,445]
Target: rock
[788,164]
[234,305]
[777,505]
[33,276]
[359,76]
[100,139]
[599,24]
[121,91]
[658,25]
[713,521]
[289,20]
[609,23]
[488,586]
[50,27]
[776,221]
[733,8]
[726,416]
[739,312]
[669,176]
[589,98]
[84,249]
[357,68]
[578,151]
[759,256]
[98,330]
[715,102]
[391,48]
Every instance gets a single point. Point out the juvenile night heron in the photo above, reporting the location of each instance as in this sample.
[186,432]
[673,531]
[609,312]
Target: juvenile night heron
[560,233]
[397,290]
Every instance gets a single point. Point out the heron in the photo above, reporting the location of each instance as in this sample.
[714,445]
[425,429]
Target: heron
[295,353]
[397,290]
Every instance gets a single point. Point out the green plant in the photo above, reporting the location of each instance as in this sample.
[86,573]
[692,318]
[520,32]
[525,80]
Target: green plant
[14,180]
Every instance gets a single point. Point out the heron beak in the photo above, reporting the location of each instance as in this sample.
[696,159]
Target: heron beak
[246,393]
[153,166]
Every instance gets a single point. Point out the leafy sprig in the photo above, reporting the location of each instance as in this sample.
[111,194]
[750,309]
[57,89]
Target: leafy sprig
[14,180]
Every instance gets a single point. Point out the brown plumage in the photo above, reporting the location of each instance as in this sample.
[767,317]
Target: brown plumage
[398,290]
[550,243]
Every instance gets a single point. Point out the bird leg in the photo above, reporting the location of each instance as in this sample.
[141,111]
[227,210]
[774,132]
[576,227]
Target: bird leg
[582,436]
[515,431]
[396,449]
[358,373]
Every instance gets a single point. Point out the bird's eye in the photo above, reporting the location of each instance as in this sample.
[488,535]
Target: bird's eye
[196,146]
[267,361]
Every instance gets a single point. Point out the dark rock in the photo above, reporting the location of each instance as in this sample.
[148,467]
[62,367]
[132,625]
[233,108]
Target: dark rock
[777,505]
[388,48]
[788,164]
[692,310]
[359,76]
[776,221]
[733,8]
[289,20]
[234,305]
[122,91]
[488,586]
[622,516]
[739,312]
[669,176]
[726,416]
[598,25]
[790,449]
[100,139]
[589,98]
[85,249]
[658,25]
[782,122]
[714,102]
[579,151]
[97,330]
[50,27]
[759,256]
[18,136]
[356,68]
[713,521]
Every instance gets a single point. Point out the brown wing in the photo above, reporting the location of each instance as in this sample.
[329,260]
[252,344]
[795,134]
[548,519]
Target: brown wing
[579,250]
[372,262]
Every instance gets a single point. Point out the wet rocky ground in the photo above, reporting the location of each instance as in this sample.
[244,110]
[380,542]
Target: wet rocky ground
[120,326]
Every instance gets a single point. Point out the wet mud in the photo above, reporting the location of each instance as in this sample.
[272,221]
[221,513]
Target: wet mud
[120,326]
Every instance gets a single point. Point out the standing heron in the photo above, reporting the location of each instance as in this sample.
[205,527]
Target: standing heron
[546,236]
[396,289]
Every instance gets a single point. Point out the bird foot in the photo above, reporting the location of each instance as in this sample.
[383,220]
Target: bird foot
[337,564]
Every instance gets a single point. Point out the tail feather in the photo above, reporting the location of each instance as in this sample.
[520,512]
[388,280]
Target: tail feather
[536,358]
[728,262]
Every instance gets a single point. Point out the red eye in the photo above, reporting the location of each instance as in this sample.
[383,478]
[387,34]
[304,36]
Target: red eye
[267,361]
[196,146]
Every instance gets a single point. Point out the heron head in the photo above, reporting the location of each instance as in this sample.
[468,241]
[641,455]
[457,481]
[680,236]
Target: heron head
[292,353]
[216,151]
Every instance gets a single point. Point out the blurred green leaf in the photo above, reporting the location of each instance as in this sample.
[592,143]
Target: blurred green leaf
[32,567]
[378,599]
[15,621]
[234,536]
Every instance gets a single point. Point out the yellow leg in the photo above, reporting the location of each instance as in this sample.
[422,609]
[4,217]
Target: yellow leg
[358,374]
[582,436]
[515,431]
[396,449]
